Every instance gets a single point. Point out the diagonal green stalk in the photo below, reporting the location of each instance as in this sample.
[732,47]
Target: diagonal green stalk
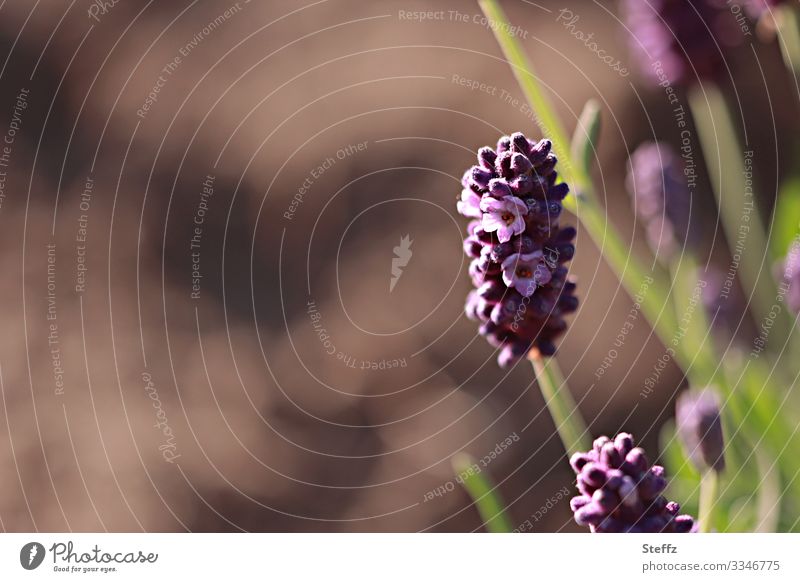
[739,214]
[566,416]
[789,39]
[695,341]
[708,499]
[546,118]
[483,493]
[583,204]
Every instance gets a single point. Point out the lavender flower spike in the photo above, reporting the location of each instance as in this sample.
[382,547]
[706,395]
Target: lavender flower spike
[678,41]
[700,428]
[661,197]
[621,493]
[517,247]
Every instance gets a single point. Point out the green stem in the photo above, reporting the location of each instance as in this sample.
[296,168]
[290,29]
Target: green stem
[740,216]
[708,500]
[483,492]
[546,118]
[695,341]
[583,204]
[566,416]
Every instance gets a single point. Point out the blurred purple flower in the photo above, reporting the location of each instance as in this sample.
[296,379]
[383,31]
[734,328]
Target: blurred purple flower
[700,428]
[661,197]
[621,493]
[517,247]
[679,41]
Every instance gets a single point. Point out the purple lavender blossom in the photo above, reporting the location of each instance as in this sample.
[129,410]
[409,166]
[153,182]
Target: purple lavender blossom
[679,40]
[700,428]
[621,493]
[470,204]
[517,247]
[661,197]
[505,216]
[526,272]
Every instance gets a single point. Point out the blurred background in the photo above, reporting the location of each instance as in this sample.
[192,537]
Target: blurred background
[200,203]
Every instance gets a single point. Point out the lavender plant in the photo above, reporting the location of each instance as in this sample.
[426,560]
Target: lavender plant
[517,247]
[661,199]
[619,490]
[678,40]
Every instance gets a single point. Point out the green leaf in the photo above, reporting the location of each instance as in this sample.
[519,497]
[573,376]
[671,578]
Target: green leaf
[769,494]
[787,216]
[587,133]
[483,492]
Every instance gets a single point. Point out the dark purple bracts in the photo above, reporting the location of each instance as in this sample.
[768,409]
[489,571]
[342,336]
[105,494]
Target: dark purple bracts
[522,289]
[621,492]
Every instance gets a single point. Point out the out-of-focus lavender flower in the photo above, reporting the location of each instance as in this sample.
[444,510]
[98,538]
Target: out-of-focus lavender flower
[621,493]
[790,277]
[700,428]
[517,247]
[679,41]
[661,197]
[723,302]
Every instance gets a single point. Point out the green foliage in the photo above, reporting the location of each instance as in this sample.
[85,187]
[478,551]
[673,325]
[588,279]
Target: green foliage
[483,492]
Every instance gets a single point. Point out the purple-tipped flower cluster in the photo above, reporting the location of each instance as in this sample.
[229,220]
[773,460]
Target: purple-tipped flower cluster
[621,492]
[661,197]
[697,415]
[678,41]
[518,251]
